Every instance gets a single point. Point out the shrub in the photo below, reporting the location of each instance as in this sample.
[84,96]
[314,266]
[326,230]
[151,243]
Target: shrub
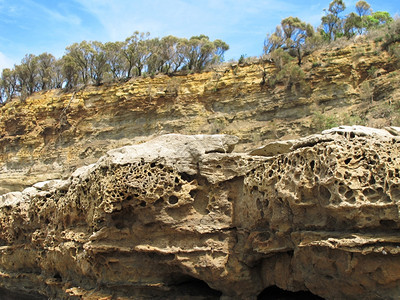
[322,121]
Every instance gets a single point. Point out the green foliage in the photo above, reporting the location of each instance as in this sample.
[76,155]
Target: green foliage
[372,71]
[94,62]
[242,59]
[288,73]
[363,8]
[394,51]
[8,84]
[316,64]
[280,58]
[291,35]
[331,22]
[322,121]
[392,35]
[352,119]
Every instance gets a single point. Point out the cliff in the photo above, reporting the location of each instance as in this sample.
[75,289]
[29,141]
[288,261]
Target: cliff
[50,134]
[183,216]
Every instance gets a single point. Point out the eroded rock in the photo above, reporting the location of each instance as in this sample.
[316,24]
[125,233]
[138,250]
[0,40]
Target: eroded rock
[181,216]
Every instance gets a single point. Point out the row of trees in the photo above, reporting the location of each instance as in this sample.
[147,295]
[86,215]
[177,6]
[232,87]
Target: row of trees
[96,62]
[297,37]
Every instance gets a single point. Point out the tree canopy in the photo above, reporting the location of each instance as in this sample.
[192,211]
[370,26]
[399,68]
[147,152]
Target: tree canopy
[297,37]
[95,62]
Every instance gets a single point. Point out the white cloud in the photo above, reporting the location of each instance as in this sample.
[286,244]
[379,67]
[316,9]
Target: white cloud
[179,17]
[5,62]
[55,15]
[243,24]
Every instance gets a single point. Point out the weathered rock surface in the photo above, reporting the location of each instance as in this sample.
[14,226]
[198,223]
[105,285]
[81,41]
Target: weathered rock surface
[163,218]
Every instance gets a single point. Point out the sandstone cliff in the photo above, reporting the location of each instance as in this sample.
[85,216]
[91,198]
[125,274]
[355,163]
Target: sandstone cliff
[51,134]
[184,216]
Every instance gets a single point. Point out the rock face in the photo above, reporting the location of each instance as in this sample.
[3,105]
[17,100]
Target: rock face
[183,216]
[51,134]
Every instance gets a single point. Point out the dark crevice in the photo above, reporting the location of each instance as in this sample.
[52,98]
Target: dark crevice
[12,295]
[273,292]
[190,286]
[187,177]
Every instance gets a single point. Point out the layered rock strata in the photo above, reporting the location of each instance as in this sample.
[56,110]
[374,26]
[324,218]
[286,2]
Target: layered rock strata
[50,134]
[183,216]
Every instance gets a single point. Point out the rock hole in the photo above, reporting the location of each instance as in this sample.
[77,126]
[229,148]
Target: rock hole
[347,161]
[143,203]
[57,277]
[325,194]
[159,201]
[173,199]
[188,286]
[259,204]
[273,292]
[349,194]
[193,193]
[129,198]
[368,192]
[372,180]
[388,224]
[312,165]
[187,177]
[218,167]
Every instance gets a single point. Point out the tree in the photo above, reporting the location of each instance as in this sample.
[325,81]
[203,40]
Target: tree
[166,54]
[377,19]
[199,52]
[80,54]
[46,71]
[8,84]
[296,33]
[336,7]
[58,76]
[70,71]
[274,41]
[352,25]
[27,74]
[363,8]
[331,22]
[97,62]
[134,52]
[291,35]
[115,59]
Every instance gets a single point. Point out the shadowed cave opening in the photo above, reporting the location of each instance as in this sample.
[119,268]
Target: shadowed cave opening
[193,287]
[12,295]
[273,292]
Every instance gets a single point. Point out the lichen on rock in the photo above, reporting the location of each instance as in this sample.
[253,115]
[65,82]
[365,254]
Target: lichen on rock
[183,216]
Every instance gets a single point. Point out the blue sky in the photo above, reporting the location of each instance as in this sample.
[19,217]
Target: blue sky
[29,26]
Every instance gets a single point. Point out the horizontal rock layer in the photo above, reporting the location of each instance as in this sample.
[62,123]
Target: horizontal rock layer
[183,216]
[50,134]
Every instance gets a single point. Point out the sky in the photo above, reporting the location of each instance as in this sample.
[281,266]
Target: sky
[37,26]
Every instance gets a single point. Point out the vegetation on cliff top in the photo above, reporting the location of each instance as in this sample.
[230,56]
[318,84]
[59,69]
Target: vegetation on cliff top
[94,62]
